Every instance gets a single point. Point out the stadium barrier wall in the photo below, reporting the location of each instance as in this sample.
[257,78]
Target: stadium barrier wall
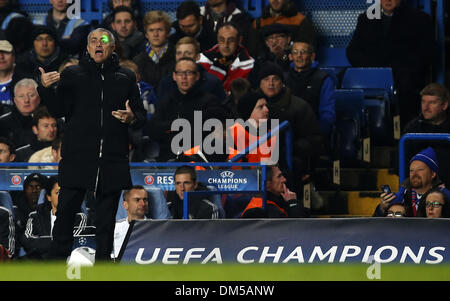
[288,241]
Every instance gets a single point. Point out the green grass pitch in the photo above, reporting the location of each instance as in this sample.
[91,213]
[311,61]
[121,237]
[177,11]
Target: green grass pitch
[39,271]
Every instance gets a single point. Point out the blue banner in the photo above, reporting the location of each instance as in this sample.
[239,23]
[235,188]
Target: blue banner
[12,179]
[288,241]
[228,180]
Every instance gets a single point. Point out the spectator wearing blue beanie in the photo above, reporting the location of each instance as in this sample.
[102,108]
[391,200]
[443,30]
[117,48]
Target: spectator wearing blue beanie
[423,176]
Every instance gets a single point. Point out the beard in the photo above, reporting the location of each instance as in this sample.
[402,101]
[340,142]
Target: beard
[416,182]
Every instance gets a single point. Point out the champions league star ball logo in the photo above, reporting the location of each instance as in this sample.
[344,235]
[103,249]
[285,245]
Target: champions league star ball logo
[82,241]
[149,180]
[16,180]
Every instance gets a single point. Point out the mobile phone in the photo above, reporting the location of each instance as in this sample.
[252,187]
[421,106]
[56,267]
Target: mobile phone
[386,188]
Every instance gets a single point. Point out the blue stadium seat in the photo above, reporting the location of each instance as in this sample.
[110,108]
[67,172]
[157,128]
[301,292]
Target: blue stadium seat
[378,87]
[157,205]
[350,123]
[332,57]
[217,198]
[6,201]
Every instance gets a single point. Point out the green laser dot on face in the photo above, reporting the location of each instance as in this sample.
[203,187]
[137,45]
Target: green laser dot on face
[105,39]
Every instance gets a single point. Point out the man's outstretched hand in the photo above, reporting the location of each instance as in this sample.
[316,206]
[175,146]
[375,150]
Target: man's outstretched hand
[125,116]
[48,78]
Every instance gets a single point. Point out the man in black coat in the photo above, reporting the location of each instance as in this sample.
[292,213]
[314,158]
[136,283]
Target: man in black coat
[99,100]
[190,24]
[181,103]
[402,38]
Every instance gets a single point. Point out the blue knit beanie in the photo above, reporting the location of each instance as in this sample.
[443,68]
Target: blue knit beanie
[427,156]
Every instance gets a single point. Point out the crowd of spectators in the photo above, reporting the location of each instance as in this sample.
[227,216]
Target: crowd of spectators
[219,60]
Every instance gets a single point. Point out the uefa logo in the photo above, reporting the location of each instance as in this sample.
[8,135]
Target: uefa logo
[149,180]
[227,174]
[16,180]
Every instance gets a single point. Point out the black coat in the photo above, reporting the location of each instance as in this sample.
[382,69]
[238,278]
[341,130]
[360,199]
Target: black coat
[94,139]
[199,207]
[407,43]
[37,238]
[17,127]
[173,106]
[152,72]
[206,37]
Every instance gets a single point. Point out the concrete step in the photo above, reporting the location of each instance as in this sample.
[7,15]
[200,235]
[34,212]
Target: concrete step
[348,203]
[356,179]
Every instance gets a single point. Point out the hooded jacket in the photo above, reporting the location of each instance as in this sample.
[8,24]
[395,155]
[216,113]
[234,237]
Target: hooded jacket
[94,139]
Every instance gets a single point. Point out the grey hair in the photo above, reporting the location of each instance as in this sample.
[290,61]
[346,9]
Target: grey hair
[111,36]
[26,82]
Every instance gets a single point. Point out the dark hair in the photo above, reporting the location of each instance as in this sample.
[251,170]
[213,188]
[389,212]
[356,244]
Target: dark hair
[50,183]
[422,210]
[232,24]
[123,9]
[186,169]
[188,8]
[56,144]
[269,171]
[41,112]
[406,214]
[126,193]
[239,87]
[9,143]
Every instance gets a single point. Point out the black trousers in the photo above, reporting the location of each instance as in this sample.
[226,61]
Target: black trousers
[69,203]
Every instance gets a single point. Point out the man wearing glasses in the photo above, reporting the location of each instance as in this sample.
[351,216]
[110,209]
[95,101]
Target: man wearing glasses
[310,83]
[423,176]
[178,104]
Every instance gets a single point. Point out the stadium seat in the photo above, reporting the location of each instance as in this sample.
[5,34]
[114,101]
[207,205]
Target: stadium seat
[217,198]
[332,57]
[6,201]
[378,87]
[157,205]
[350,123]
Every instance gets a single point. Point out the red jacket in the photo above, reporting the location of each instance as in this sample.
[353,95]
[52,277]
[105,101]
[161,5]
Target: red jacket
[240,67]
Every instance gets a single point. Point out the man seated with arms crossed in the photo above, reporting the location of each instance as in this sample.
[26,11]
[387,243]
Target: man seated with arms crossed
[199,207]
[135,202]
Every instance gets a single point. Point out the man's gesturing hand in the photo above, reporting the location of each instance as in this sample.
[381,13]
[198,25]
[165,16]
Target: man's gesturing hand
[125,116]
[48,78]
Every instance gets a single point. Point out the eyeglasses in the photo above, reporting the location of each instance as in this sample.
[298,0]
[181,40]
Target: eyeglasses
[302,52]
[395,213]
[433,204]
[185,73]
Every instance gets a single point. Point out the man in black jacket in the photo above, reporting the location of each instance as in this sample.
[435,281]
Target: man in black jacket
[181,103]
[199,207]
[402,38]
[190,24]
[99,100]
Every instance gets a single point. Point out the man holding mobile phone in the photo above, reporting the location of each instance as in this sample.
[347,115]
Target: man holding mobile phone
[423,176]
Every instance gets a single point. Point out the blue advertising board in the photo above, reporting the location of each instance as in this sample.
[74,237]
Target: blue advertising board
[288,241]
[228,180]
